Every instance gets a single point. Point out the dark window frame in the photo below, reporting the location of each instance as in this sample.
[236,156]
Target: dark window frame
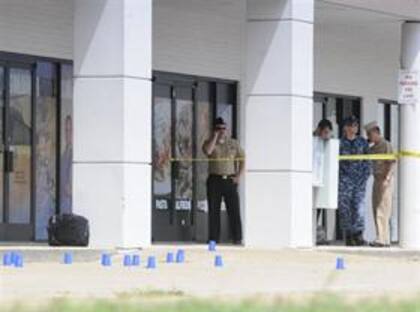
[341,100]
[11,59]
[179,79]
[387,117]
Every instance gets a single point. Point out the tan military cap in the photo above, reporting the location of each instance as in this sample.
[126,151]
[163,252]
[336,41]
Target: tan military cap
[371,125]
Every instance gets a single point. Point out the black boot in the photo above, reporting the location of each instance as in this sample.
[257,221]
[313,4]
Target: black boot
[358,240]
[350,241]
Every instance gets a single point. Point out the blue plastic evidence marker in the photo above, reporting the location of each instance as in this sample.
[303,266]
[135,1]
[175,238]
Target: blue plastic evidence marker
[151,262]
[170,257]
[127,260]
[180,256]
[7,259]
[19,261]
[106,260]
[218,261]
[135,260]
[339,264]
[68,258]
[212,245]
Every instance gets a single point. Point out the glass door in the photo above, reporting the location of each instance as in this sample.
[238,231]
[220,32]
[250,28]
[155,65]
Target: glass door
[162,165]
[2,148]
[182,163]
[173,151]
[203,116]
[183,110]
[16,157]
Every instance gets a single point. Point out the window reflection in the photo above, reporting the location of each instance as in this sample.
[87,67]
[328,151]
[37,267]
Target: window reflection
[66,139]
[19,139]
[46,146]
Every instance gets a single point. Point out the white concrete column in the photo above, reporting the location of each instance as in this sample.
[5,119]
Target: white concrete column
[278,127]
[410,141]
[112,120]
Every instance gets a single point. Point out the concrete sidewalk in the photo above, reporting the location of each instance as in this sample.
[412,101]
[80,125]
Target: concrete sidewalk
[246,272]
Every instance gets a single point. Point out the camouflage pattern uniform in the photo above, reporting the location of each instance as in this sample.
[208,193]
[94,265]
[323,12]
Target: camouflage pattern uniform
[353,176]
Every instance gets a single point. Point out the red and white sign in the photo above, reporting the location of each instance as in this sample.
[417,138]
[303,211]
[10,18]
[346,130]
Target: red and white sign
[409,87]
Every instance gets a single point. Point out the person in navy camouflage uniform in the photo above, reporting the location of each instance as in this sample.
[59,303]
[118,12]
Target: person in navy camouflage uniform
[353,176]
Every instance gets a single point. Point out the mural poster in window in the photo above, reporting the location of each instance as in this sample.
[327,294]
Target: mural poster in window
[66,139]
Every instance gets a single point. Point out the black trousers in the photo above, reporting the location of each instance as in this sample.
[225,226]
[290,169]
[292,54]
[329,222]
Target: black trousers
[218,189]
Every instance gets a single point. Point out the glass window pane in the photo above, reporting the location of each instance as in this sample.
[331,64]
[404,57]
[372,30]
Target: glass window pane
[225,102]
[203,133]
[46,144]
[20,124]
[184,149]
[318,110]
[66,139]
[162,147]
[1,142]
[2,94]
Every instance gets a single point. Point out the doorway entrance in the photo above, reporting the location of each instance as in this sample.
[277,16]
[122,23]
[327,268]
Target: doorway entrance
[16,213]
[335,108]
[184,108]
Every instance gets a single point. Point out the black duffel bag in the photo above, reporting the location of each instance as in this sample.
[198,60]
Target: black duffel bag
[68,230]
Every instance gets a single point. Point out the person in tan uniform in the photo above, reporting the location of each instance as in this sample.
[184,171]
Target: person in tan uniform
[226,165]
[383,171]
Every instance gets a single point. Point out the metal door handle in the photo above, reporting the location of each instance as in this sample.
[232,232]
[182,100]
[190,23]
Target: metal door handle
[9,161]
[175,169]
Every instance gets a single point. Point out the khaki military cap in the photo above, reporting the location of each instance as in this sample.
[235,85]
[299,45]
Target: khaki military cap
[371,125]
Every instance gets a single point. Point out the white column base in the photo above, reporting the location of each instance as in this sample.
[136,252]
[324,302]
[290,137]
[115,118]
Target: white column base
[410,205]
[278,209]
[116,200]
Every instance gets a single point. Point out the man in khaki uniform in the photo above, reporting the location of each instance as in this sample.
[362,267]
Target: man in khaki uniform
[383,171]
[226,165]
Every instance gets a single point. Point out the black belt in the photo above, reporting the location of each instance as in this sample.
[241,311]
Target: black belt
[223,177]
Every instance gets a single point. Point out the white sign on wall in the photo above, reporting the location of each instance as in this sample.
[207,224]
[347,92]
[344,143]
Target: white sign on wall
[409,87]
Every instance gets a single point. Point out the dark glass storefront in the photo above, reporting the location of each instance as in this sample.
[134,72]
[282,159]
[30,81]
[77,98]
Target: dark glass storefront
[35,144]
[183,110]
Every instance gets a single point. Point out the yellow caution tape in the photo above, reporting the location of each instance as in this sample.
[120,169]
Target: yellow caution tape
[355,157]
[369,157]
[205,159]
[412,154]
[394,156]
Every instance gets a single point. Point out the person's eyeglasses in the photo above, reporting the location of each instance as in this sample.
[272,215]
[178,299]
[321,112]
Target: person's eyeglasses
[220,128]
